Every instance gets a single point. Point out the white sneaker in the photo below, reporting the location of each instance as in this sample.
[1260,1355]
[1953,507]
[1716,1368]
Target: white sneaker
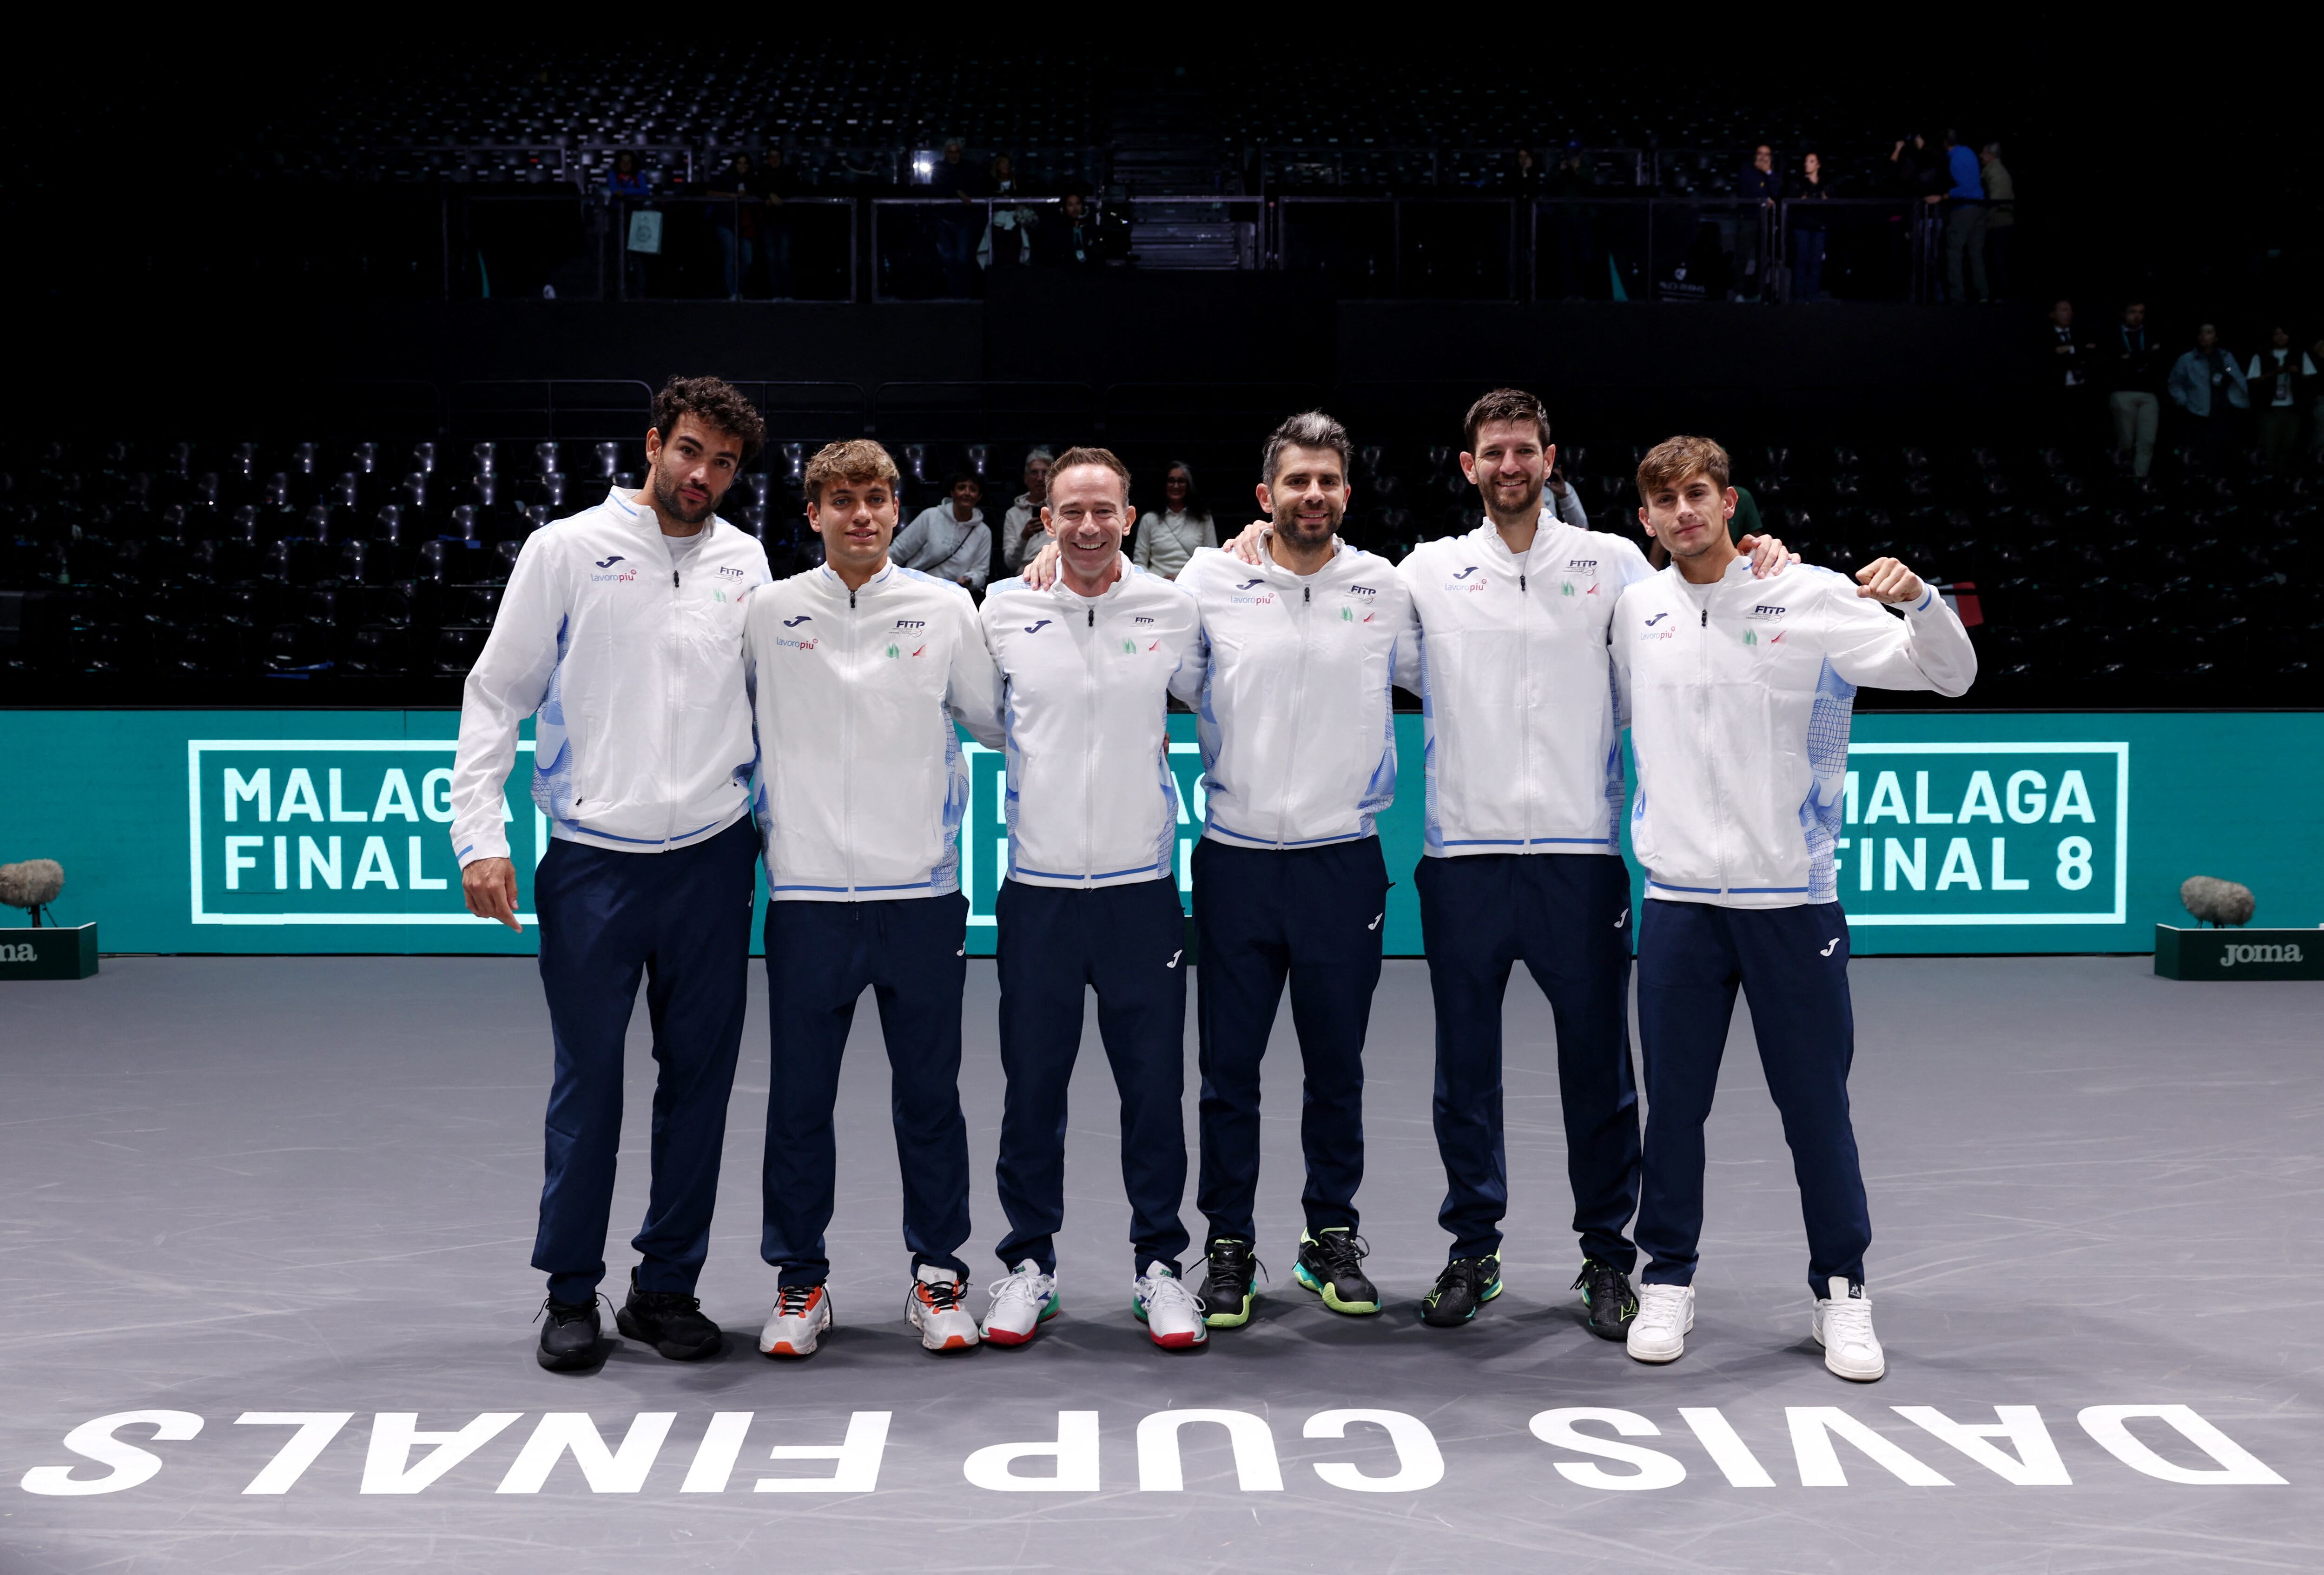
[1172,1314]
[1665,1312]
[934,1306]
[1022,1301]
[1842,1324]
[801,1314]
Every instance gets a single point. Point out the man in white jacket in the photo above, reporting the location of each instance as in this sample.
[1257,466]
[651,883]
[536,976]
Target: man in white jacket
[1091,901]
[949,539]
[1522,851]
[622,631]
[1299,757]
[1738,694]
[858,669]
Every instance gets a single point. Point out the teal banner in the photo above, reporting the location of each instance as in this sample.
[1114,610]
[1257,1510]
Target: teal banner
[325,831]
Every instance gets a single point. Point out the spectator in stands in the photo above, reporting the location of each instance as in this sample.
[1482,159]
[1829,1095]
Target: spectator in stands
[2067,370]
[1167,537]
[1524,173]
[2207,384]
[1808,219]
[1762,186]
[1073,241]
[1561,498]
[1916,170]
[1020,530]
[2277,378]
[950,539]
[2000,217]
[736,219]
[958,223]
[1965,223]
[625,178]
[2133,368]
[1009,236]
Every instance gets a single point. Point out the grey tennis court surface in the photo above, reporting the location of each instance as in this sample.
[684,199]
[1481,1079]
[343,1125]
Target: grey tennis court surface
[304,1189]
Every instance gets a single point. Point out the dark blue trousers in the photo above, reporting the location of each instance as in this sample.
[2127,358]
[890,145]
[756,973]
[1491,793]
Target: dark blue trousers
[1792,965]
[1566,917]
[681,919]
[1128,943]
[1313,915]
[820,957]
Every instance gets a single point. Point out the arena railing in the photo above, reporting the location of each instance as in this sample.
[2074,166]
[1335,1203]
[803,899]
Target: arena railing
[939,248]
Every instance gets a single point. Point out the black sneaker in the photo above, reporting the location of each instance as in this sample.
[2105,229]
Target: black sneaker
[570,1333]
[1606,1292]
[669,1320]
[1229,1282]
[1465,1285]
[1333,1266]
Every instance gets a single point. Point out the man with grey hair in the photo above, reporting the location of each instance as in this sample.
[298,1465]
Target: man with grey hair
[1022,531]
[1299,757]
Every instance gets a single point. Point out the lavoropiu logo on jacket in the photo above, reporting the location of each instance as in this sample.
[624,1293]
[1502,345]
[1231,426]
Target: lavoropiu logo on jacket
[1251,601]
[623,578]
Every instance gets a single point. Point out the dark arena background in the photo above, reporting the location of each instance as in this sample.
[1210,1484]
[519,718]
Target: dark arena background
[306,343]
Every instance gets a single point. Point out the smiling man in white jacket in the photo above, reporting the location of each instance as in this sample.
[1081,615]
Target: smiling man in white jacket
[1299,757]
[622,631]
[858,669]
[1738,694]
[1091,901]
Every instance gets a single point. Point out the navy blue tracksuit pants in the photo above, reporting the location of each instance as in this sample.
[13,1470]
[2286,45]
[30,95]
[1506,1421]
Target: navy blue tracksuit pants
[1566,917]
[682,919]
[820,957]
[1315,915]
[1792,965]
[1128,943]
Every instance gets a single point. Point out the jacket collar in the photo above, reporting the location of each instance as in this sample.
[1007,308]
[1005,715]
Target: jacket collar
[834,585]
[1068,595]
[627,508]
[1488,537]
[1275,573]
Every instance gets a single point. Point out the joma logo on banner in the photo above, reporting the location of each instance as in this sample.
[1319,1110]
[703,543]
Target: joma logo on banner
[334,831]
[1985,834]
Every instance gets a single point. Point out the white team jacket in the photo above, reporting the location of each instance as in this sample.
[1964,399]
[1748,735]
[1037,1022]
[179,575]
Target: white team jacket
[862,780]
[1295,718]
[1086,684]
[1738,714]
[642,741]
[1524,753]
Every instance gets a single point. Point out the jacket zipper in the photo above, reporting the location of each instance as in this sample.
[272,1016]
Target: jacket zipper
[1524,703]
[670,704]
[1089,745]
[1298,706]
[847,751]
[1703,743]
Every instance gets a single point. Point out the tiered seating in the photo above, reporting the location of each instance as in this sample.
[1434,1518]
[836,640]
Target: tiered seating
[559,113]
[374,568]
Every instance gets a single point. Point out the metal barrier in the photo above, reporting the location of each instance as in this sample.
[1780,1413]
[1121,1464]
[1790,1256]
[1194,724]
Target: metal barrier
[1443,246]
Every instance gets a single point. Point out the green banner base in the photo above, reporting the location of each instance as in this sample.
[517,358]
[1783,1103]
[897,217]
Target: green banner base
[2238,954]
[48,953]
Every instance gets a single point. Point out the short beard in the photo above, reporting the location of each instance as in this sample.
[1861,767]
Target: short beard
[1289,528]
[1527,511]
[667,499]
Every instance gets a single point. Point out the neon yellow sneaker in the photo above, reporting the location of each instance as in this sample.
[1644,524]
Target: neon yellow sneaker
[1332,1265]
[1230,1282]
